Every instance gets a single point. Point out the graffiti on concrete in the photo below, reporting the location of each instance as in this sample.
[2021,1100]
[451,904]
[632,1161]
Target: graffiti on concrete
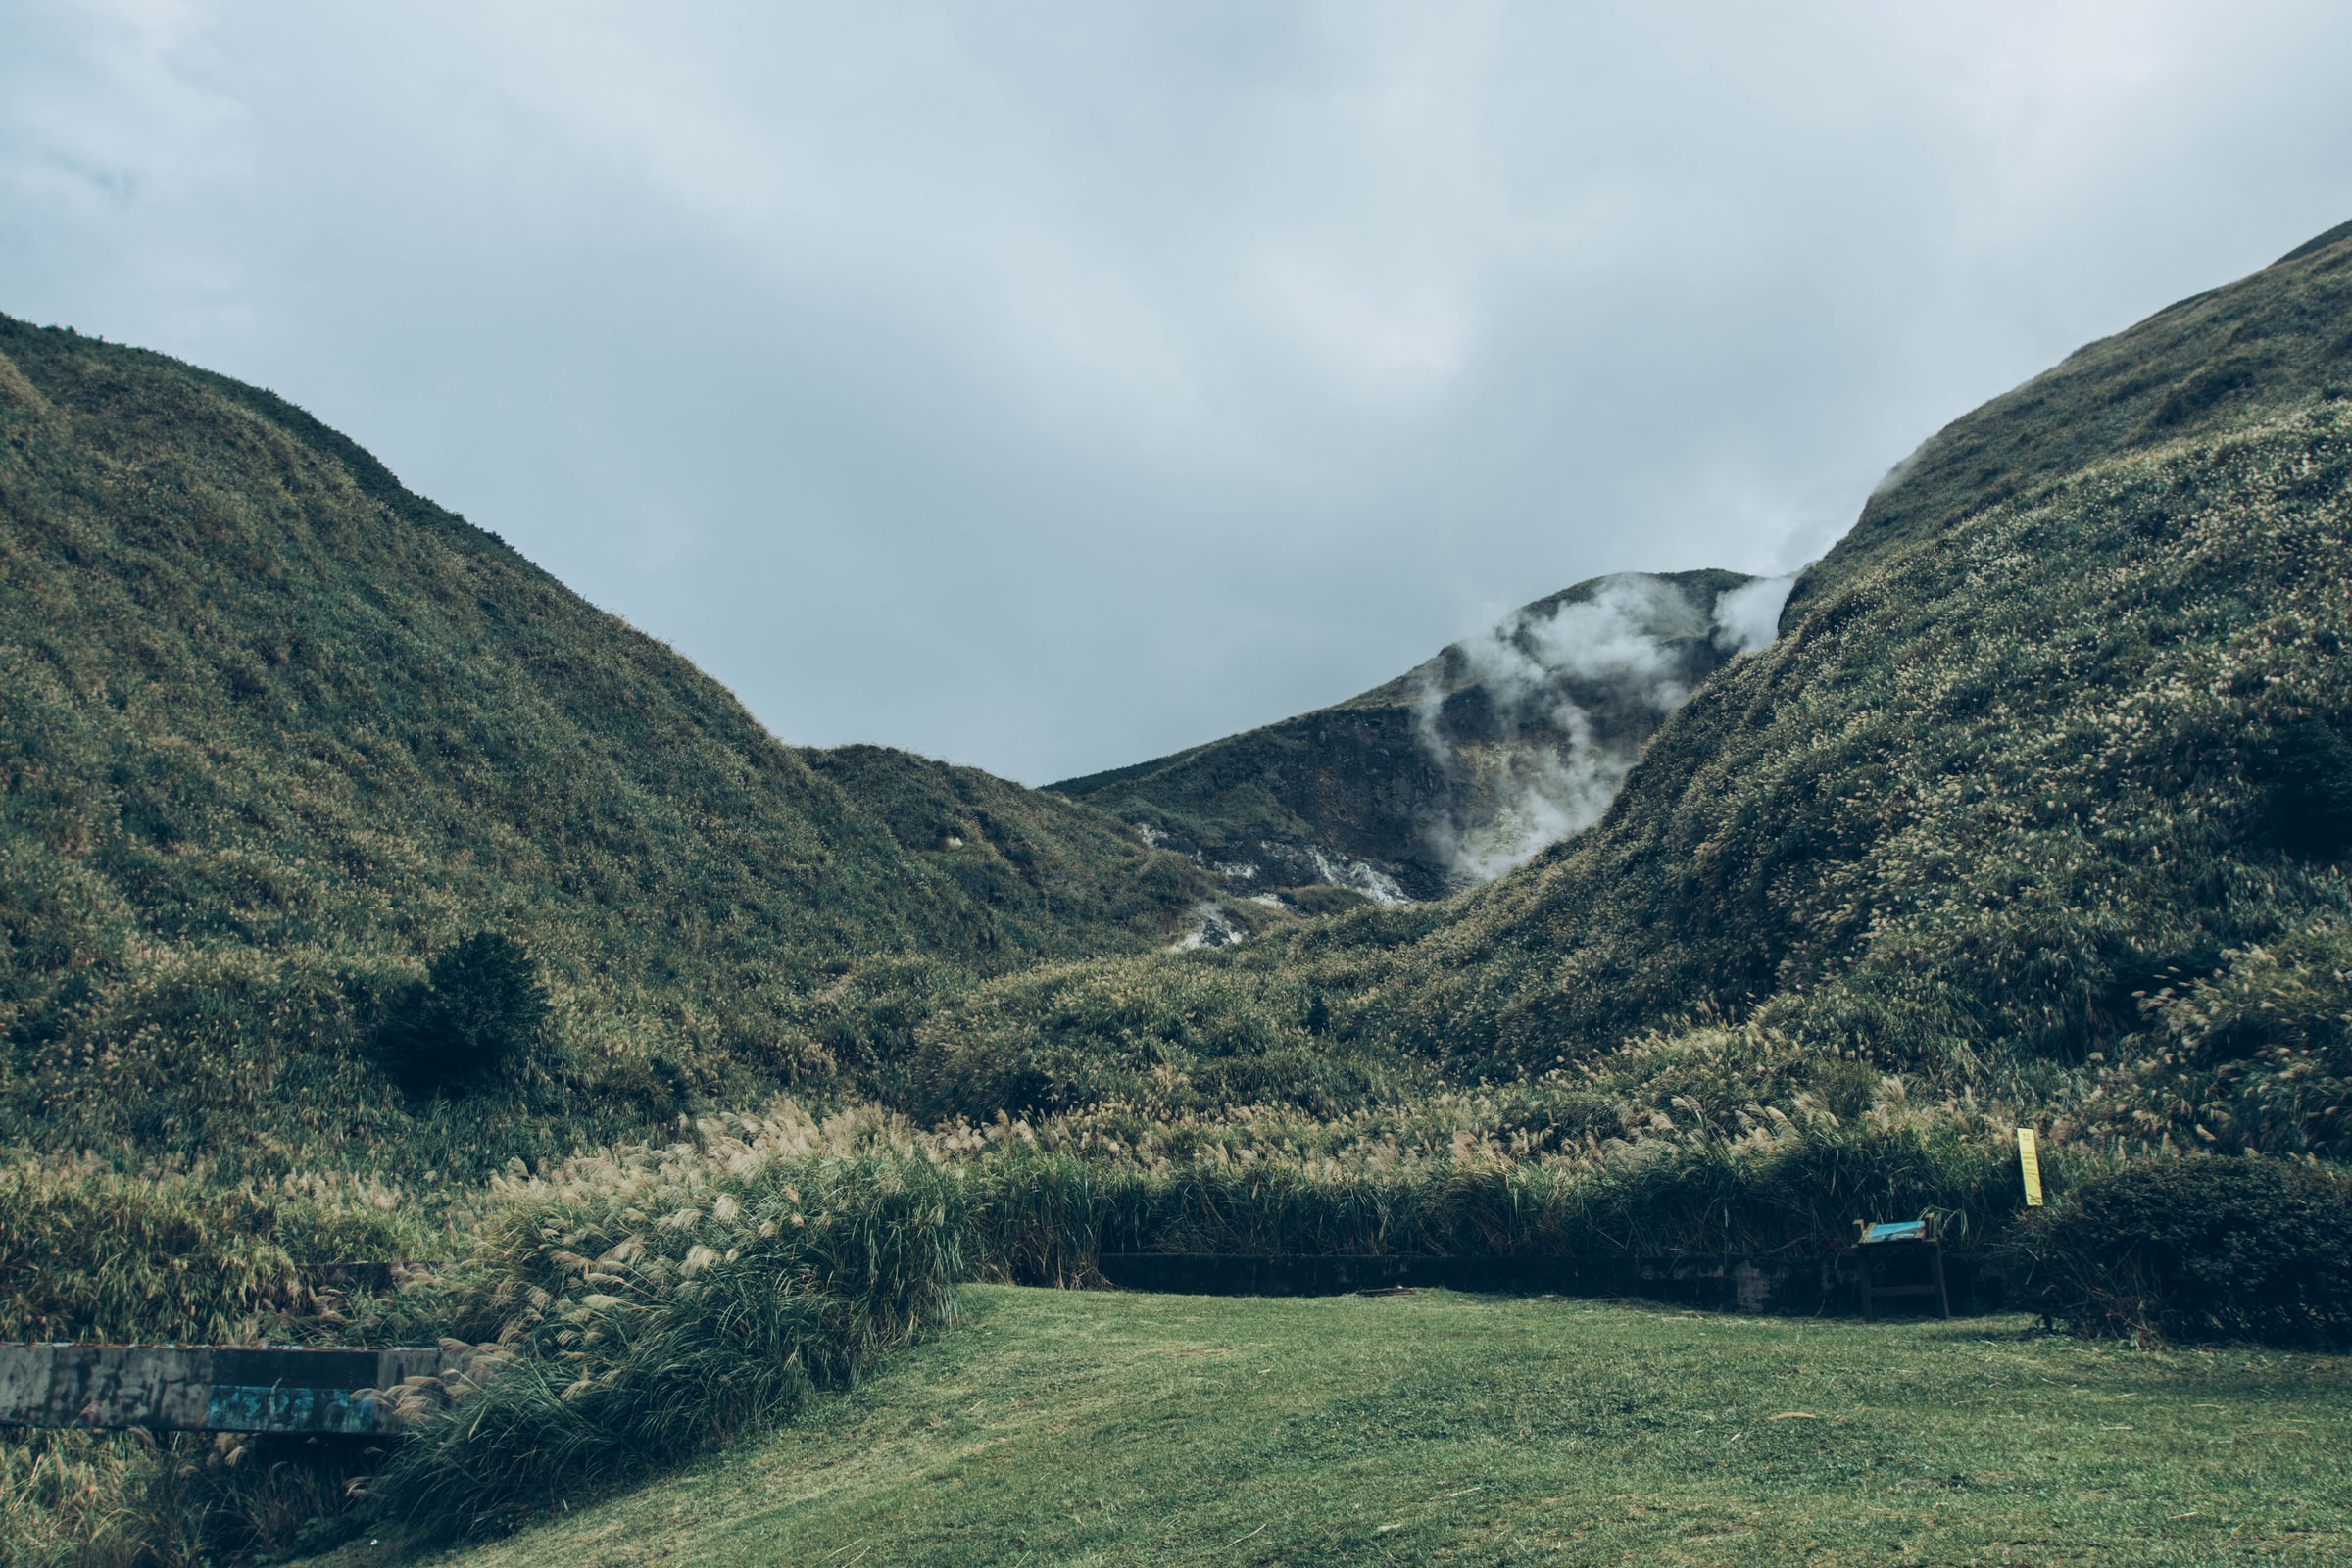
[198,1387]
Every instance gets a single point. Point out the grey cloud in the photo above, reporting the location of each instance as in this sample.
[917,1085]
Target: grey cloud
[1051,389]
[1749,616]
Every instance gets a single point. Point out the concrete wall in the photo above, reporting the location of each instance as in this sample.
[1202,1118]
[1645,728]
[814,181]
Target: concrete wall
[224,1388]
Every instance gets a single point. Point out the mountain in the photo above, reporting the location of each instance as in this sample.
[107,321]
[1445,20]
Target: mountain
[1465,764]
[2062,719]
[2044,791]
[274,730]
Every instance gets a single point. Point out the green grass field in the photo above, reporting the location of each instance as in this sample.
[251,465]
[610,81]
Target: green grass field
[1068,1427]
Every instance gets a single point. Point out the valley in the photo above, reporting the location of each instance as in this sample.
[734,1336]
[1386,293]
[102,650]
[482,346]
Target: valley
[1464,766]
[366,895]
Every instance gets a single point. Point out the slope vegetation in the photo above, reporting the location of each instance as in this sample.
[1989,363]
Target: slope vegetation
[272,729]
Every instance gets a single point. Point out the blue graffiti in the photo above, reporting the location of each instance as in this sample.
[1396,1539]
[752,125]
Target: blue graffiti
[248,1408]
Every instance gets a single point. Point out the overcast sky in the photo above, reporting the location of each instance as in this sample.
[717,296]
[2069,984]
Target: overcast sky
[1048,387]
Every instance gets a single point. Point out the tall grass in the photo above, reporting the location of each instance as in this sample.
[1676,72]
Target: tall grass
[1042,1215]
[129,1499]
[643,1305]
[92,1254]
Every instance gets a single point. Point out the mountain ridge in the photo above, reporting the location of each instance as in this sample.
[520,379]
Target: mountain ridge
[1441,776]
[2199,363]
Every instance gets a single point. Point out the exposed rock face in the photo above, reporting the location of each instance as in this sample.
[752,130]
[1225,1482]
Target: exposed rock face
[1462,767]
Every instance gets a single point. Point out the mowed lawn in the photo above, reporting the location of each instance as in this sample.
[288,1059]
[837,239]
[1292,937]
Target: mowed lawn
[1066,1427]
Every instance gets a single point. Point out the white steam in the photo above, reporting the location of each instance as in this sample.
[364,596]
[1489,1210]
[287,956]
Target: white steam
[1748,617]
[1534,795]
[1287,864]
[1357,876]
[1572,693]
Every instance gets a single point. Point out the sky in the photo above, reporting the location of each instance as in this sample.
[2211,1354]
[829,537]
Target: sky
[1051,387]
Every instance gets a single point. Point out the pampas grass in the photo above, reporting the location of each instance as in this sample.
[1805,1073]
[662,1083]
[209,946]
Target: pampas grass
[643,1305]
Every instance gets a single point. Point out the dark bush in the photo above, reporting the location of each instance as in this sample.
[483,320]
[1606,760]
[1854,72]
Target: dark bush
[2206,1248]
[478,1013]
[2309,771]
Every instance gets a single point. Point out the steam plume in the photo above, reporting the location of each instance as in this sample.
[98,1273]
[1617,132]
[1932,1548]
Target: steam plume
[1539,719]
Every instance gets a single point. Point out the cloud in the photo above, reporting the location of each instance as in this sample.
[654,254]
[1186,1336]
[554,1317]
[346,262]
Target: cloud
[1055,389]
[1749,616]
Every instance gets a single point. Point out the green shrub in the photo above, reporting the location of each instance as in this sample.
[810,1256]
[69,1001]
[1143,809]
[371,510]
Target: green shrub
[2308,768]
[2202,1249]
[480,1011]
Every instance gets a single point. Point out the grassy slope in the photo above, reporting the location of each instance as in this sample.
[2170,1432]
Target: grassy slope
[273,728]
[1996,778]
[1084,1428]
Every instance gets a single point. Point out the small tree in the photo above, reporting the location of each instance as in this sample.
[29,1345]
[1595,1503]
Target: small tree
[480,1010]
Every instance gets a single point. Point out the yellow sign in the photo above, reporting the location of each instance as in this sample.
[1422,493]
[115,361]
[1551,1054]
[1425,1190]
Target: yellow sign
[2029,1159]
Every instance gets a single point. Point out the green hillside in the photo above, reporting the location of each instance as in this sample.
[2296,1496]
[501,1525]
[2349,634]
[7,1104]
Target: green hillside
[274,730]
[2048,799]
